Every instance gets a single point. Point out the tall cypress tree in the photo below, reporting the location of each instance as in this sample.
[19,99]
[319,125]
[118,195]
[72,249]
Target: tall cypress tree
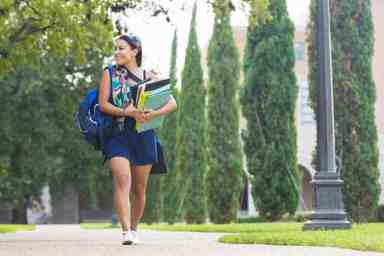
[168,139]
[269,100]
[224,177]
[152,205]
[354,93]
[190,134]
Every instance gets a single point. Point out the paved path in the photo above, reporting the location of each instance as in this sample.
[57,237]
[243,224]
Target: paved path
[70,240]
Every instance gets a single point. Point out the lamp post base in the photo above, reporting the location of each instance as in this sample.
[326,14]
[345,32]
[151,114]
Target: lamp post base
[327,224]
[328,205]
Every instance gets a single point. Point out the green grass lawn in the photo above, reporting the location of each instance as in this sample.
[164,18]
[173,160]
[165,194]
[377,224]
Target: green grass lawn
[13,228]
[228,228]
[364,237]
[225,228]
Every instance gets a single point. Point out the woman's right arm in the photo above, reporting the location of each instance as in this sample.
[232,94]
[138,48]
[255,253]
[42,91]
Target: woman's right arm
[110,109]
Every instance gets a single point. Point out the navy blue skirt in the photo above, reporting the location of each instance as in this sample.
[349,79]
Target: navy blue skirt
[138,148]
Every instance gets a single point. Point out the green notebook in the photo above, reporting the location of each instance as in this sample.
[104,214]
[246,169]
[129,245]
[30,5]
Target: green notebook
[154,100]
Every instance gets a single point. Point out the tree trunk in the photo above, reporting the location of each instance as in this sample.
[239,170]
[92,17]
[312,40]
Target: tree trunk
[19,214]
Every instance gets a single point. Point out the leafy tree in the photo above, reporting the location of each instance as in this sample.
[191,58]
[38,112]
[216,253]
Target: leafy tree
[41,144]
[28,29]
[24,132]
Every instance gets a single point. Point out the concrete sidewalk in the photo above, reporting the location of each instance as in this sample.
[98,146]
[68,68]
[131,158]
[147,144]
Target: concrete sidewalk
[70,240]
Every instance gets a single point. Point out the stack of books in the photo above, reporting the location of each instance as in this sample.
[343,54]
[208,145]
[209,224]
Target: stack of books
[152,95]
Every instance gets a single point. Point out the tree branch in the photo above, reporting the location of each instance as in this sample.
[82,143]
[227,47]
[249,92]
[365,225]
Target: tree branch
[33,9]
[4,53]
[2,12]
[26,30]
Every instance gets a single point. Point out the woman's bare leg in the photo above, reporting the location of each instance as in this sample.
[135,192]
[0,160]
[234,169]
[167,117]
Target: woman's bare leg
[121,172]
[140,174]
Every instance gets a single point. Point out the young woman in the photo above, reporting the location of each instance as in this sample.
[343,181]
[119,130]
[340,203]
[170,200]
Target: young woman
[130,154]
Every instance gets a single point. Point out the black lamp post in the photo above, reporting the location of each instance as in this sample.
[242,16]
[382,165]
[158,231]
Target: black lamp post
[328,205]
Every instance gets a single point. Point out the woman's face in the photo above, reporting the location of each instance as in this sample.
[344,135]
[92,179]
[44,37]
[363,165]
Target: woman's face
[124,53]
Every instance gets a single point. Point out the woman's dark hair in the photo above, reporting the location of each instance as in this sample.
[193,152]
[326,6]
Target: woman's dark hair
[135,43]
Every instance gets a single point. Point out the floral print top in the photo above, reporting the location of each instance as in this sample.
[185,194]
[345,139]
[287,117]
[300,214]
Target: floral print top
[121,92]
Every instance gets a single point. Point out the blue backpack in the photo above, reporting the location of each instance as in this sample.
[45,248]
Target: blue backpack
[92,123]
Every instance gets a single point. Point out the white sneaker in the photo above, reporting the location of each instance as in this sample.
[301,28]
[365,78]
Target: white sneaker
[127,238]
[135,237]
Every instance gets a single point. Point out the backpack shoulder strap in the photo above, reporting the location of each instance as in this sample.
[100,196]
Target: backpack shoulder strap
[138,80]
[110,72]
[134,77]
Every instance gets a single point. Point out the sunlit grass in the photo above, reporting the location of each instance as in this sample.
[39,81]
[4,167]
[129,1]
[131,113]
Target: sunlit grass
[5,228]
[98,226]
[228,228]
[365,237]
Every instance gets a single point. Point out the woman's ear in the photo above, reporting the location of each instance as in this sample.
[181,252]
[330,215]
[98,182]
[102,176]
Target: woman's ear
[135,52]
